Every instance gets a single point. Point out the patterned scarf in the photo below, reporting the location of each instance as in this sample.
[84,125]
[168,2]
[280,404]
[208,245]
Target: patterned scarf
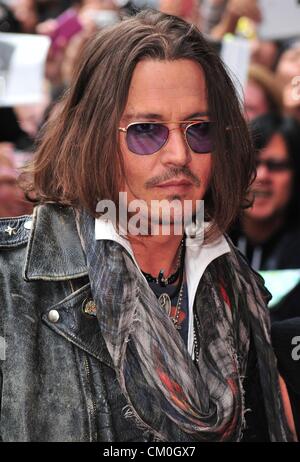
[167,394]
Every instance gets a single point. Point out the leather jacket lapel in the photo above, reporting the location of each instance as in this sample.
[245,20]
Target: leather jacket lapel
[54,251]
[71,319]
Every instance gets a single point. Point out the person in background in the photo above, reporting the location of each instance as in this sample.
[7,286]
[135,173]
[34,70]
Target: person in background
[189,10]
[50,9]
[268,232]
[20,124]
[78,23]
[12,199]
[264,53]
[262,92]
[288,74]
[221,16]
[26,13]
[11,130]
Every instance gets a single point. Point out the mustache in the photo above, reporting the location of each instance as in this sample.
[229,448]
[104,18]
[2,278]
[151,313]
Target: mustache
[173,172]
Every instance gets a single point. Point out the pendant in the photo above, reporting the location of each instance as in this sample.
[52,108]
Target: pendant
[165,302]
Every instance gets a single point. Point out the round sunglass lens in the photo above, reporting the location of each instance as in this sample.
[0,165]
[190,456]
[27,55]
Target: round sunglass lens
[199,137]
[147,138]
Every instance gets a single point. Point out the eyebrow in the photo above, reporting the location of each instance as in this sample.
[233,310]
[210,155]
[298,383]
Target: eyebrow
[154,116]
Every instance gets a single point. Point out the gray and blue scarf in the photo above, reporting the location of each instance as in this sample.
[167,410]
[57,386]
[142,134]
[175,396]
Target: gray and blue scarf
[168,394]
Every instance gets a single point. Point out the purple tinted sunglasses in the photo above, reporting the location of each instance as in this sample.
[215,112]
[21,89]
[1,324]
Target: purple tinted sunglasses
[144,138]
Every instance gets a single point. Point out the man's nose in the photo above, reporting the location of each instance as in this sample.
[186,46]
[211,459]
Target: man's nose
[176,150]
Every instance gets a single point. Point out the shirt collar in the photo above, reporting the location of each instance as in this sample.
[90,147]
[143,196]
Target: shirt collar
[195,248]
[198,256]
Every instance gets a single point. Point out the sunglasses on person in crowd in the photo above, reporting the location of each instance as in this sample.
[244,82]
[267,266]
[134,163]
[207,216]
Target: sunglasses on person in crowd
[274,165]
[144,138]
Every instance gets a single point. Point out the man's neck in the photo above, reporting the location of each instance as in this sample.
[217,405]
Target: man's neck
[259,232]
[154,253]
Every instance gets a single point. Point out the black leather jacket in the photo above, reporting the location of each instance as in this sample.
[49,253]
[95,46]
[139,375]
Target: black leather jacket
[55,369]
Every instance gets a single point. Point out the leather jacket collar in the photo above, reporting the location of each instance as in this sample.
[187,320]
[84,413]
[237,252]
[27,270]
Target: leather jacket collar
[54,251]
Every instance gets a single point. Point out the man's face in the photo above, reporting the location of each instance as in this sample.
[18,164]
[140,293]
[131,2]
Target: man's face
[272,189]
[166,91]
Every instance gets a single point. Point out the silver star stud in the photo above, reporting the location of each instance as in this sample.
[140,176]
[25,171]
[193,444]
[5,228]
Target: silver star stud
[9,230]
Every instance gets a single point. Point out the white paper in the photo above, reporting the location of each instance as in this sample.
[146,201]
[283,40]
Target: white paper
[280,19]
[22,68]
[235,53]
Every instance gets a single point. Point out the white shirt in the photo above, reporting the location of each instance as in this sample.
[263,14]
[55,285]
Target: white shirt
[198,256]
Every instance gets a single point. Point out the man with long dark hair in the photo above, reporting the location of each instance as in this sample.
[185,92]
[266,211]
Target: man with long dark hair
[116,330]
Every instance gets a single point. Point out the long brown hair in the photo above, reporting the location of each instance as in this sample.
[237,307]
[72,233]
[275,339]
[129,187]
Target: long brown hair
[78,161]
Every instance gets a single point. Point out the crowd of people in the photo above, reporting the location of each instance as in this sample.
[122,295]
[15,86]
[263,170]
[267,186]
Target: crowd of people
[267,231]
[70,24]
